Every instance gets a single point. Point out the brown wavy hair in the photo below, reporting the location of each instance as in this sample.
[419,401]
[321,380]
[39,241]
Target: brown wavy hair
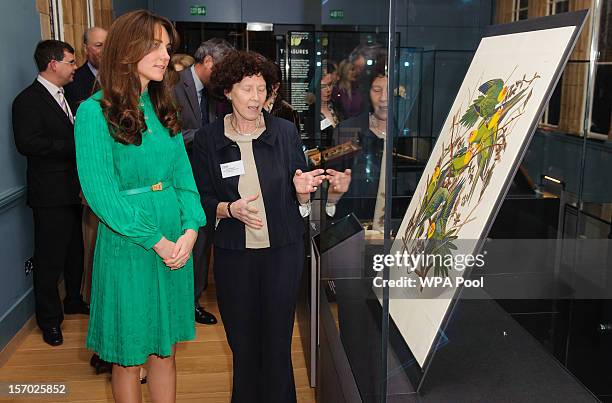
[130,38]
[237,65]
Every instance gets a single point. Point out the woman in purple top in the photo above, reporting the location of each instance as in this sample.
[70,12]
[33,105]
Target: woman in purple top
[346,94]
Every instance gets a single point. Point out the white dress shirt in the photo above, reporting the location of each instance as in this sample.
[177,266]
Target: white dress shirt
[92,69]
[54,90]
[198,84]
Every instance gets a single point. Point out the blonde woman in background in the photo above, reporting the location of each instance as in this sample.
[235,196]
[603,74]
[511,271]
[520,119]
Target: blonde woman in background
[346,95]
[181,61]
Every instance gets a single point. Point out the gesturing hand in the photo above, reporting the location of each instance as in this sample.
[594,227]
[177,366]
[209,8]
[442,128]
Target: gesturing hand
[248,214]
[307,182]
[182,250]
[338,181]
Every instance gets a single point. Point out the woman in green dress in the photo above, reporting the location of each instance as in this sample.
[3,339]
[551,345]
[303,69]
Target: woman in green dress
[137,179]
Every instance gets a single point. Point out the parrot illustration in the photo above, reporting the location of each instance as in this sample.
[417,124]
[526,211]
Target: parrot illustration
[439,241]
[493,93]
[437,227]
[485,136]
[462,159]
[467,161]
[432,184]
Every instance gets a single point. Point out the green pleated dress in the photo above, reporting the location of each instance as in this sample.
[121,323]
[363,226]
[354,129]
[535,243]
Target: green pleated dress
[139,306]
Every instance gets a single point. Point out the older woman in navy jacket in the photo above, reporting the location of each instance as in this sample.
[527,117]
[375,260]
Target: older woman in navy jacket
[251,174]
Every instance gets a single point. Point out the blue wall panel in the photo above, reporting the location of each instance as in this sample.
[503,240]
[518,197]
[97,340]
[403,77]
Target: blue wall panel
[16,301]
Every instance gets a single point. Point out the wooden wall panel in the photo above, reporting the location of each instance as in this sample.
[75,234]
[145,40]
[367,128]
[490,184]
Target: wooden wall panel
[75,21]
[573,87]
[45,26]
[503,12]
[42,6]
[67,11]
[583,45]
[103,10]
[537,8]
[45,18]
[572,98]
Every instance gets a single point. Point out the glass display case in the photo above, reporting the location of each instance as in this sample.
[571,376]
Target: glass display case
[373,99]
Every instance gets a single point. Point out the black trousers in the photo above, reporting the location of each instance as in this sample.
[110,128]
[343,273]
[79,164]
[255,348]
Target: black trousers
[58,248]
[201,259]
[257,293]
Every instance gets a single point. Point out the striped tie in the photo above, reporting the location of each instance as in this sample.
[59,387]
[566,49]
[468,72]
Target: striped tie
[64,105]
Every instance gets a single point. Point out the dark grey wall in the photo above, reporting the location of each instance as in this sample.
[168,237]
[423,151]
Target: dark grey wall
[282,11]
[356,12]
[216,11]
[442,24]
[456,22]
[449,31]
[558,155]
[16,298]
[274,11]
[123,6]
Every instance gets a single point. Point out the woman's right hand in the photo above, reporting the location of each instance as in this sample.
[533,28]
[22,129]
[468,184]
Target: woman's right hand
[164,248]
[248,214]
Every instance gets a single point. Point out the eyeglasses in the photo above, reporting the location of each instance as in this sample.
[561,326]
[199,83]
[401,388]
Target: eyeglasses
[71,62]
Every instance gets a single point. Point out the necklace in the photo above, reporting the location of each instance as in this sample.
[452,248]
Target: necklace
[235,127]
[374,126]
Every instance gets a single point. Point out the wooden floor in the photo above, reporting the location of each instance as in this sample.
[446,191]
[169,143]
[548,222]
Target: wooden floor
[204,365]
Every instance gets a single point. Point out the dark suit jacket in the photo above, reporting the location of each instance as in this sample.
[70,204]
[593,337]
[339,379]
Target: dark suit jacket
[186,96]
[44,134]
[283,109]
[278,153]
[81,88]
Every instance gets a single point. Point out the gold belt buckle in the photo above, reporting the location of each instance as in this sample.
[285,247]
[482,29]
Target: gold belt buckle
[157,187]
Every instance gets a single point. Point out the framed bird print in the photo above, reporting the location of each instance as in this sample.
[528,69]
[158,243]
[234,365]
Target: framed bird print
[477,153]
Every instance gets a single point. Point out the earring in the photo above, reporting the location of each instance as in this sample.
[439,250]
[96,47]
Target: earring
[229,98]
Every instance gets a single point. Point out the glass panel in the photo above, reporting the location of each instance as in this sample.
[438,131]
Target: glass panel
[562,6]
[348,131]
[602,100]
[591,319]
[605,33]
[556,151]
[554,105]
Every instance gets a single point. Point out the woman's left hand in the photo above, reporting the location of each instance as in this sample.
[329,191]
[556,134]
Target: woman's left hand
[182,250]
[307,182]
[338,181]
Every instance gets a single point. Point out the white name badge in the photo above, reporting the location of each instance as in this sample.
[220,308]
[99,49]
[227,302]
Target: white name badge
[325,123]
[230,169]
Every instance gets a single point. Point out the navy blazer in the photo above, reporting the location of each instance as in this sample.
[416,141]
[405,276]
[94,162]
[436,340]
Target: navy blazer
[81,88]
[44,134]
[278,153]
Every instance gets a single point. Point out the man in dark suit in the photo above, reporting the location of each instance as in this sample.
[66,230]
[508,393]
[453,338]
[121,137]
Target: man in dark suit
[198,109]
[44,133]
[85,76]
